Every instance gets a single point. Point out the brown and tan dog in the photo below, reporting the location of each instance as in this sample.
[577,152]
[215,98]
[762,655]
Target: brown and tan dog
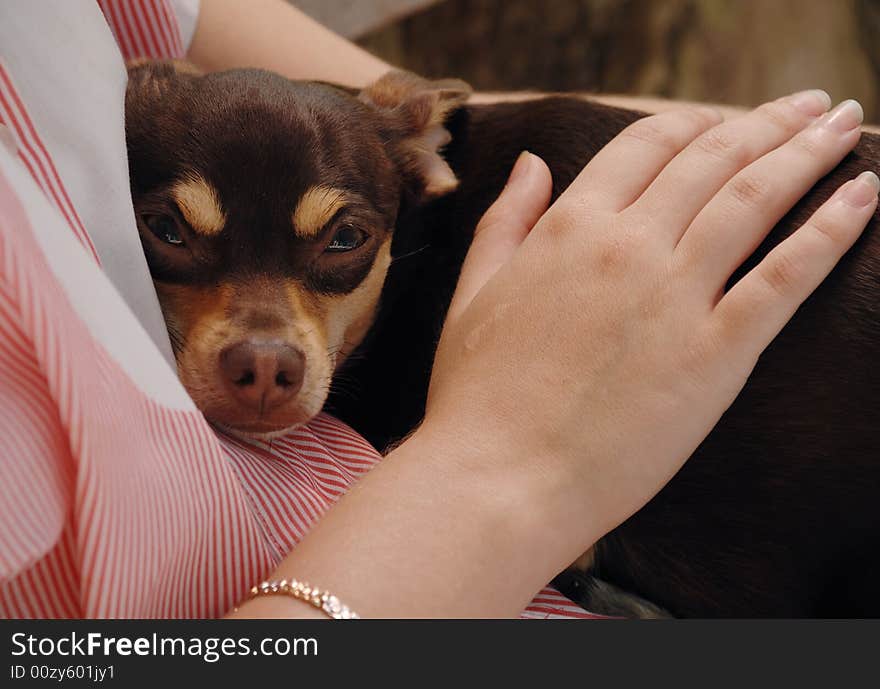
[304,237]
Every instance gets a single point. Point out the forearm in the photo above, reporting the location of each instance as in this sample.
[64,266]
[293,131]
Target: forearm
[643,103]
[430,532]
[654,105]
[273,35]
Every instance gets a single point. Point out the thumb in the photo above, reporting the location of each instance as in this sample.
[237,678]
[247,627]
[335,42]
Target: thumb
[503,227]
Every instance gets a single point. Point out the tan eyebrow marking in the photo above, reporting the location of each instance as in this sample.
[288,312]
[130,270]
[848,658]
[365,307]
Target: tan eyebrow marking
[315,209]
[200,204]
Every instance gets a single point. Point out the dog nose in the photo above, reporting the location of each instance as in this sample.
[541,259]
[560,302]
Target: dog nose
[262,375]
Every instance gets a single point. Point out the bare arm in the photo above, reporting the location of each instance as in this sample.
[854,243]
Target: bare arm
[647,104]
[643,103]
[273,35]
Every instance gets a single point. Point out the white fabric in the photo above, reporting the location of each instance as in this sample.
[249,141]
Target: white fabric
[187,12]
[64,51]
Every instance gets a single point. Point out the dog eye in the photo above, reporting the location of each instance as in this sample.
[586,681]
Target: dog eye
[165,228]
[346,238]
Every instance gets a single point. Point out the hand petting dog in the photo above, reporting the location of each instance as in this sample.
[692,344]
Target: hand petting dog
[590,404]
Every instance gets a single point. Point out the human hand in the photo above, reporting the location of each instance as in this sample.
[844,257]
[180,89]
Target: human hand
[590,349]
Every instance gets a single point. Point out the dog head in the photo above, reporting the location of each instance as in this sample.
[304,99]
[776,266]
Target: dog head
[266,209]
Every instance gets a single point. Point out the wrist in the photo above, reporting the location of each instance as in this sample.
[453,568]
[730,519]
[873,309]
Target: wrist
[503,532]
[534,500]
[435,530]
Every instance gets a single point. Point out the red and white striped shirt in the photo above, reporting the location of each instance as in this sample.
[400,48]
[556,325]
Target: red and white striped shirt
[117,499]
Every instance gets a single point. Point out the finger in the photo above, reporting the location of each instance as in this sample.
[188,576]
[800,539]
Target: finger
[730,227]
[753,312]
[503,227]
[718,154]
[624,168]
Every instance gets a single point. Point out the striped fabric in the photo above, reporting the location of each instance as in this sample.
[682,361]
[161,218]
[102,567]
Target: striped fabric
[549,604]
[144,28]
[115,502]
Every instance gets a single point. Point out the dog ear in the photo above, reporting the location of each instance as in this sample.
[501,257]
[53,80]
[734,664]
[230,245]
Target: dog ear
[149,80]
[416,111]
[155,98]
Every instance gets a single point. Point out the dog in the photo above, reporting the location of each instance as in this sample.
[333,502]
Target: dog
[305,240]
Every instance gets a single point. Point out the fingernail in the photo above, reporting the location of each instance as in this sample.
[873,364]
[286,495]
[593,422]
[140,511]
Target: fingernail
[845,117]
[862,190]
[520,167]
[814,102]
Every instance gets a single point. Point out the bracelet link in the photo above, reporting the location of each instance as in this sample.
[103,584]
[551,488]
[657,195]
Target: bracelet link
[324,601]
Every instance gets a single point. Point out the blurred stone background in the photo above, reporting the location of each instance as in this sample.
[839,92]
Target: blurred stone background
[725,51]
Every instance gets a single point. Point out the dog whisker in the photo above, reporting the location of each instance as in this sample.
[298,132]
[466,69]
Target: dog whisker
[410,253]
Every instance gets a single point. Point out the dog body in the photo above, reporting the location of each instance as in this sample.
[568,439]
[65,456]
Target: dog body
[776,513]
